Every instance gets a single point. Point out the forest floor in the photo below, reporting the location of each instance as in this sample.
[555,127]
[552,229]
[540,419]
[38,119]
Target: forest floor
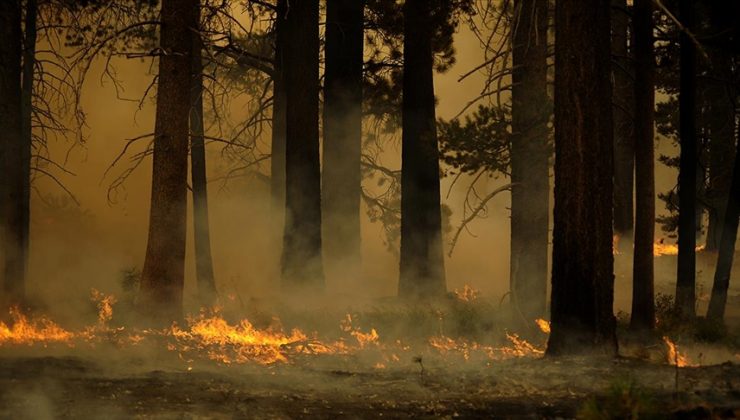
[95,386]
[380,359]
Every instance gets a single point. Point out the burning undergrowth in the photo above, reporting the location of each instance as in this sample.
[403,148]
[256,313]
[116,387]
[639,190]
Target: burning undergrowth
[467,329]
[384,336]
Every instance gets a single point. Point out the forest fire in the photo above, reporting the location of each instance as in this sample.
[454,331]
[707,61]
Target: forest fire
[27,331]
[660,248]
[211,337]
[543,325]
[674,356]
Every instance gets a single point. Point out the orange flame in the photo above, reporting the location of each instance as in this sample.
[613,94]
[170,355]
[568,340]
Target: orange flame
[467,294]
[543,325]
[24,330]
[674,356]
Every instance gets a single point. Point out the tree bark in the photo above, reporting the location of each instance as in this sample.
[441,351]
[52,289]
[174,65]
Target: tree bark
[530,193]
[624,146]
[422,273]
[582,273]
[201,231]
[302,268]
[687,220]
[718,301]
[277,165]
[342,136]
[11,153]
[29,65]
[163,274]
[643,293]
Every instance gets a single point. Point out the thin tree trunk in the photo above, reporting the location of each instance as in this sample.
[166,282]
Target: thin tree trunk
[11,151]
[643,293]
[624,146]
[277,165]
[302,268]
[163,274]
[29,64]
[721,284]
[721,146]
[201,231]
[530,194]
[582,273]
[342,136]
[422,271]
[686,279]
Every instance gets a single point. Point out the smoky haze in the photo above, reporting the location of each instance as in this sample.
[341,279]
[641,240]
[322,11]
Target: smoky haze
[76,248]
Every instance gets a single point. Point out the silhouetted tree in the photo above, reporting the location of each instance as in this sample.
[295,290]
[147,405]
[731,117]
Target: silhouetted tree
[624,147]
[201,231]
[687,217]
[302,266]
[582,274]
[342,135]
[725,41]
[643,295]
[163,273]
[721,284]
[422,261]
[277,160]
[530,191]
[11,149]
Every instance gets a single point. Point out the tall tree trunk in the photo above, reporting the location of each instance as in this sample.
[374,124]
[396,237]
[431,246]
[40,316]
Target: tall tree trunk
[686,279]
[163,274]
[11,151]
[342,136]
[277,165]
[422,271]
[201,231]
[721,145]
[624,146]
[583,264]
[530,194]
[643,299]
[29,64]
[302,266]
[722,273]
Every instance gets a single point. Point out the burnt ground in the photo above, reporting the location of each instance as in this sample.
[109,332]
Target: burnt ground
[70,387]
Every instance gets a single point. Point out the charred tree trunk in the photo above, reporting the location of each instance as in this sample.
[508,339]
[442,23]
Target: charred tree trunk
[722,273]
[643,293]
[686,279]
[302,267]
[624,146]
[201,231]
[422,271]
[163,274]
[530,194]
[11,150]
[582,273]
[342,136]
[277,165]
[29,64]
[721,146]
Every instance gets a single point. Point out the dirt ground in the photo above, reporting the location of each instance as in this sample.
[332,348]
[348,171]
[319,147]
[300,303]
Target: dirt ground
[70,387]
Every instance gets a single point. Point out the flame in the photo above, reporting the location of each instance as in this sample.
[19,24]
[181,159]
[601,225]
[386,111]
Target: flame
[105,305]
[519,348]
[24,330]
[544,325]
[467,294]
[238,343]
[660,249]
[674,356]
[210,336]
